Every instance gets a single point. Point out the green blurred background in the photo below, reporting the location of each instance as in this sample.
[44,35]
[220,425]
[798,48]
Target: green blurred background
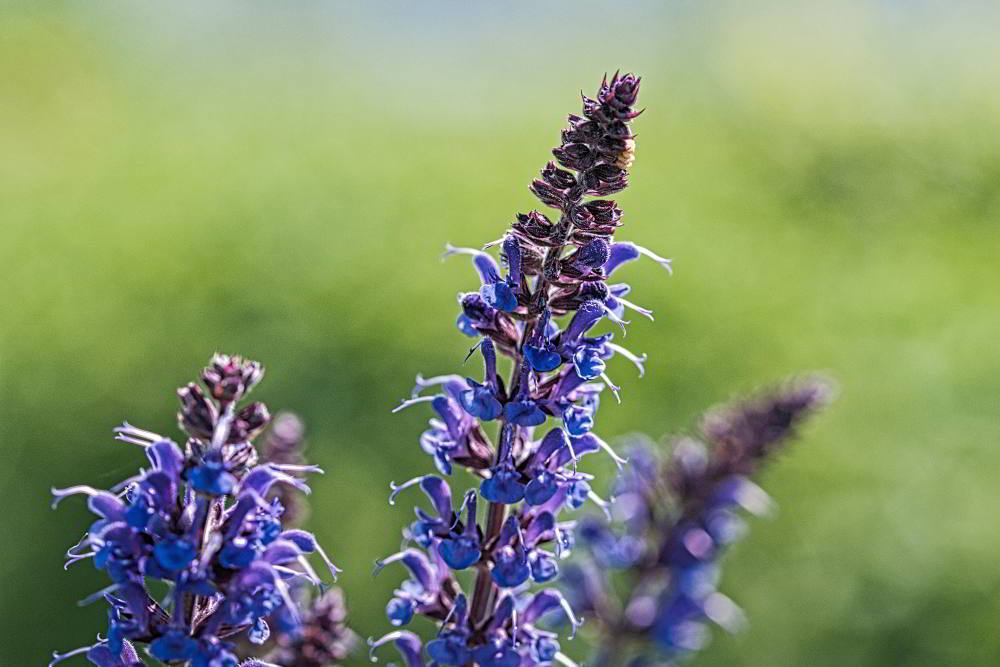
[278,180]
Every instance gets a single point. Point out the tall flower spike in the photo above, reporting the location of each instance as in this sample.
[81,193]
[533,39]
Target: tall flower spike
[673,522]
[201,521]
[538,306]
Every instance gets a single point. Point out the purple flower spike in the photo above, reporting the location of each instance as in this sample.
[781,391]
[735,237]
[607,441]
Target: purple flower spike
[197,521]
[675,518]
[538,311]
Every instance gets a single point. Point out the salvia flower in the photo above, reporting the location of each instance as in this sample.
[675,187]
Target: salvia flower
[673,521]
[538,304]
[198,519]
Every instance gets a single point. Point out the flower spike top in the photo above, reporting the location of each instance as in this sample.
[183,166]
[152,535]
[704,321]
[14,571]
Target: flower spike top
[199,519]
[538,304]
[674,521]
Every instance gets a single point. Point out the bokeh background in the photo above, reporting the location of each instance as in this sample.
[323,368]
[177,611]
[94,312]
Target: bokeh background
[278,180]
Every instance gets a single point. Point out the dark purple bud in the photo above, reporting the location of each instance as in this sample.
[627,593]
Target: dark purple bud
[535,227]
[605,179]
[579,157]
[197,415]
[230,377]
[620,94]
[558,178]
[548,195]
[249,422]
[582,130]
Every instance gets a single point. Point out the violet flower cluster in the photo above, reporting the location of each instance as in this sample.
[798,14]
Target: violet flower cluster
[539,311]
[674,521]
[197,520]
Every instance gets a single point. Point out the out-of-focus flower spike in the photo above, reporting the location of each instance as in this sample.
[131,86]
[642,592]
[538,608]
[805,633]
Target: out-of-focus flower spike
[725,613]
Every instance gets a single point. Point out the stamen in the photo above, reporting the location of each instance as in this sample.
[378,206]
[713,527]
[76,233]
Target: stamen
[413,401]
[424,383]
[645,312]
[619,461]
[637,360]
[374,644]
[662,261]
[395,489]
[135,435]
[450,250]
[76,558]
[59,657]
[617,320]
[296,467]
[293,574]
[600,502]
[612,386]
[334,570]
[61,494]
